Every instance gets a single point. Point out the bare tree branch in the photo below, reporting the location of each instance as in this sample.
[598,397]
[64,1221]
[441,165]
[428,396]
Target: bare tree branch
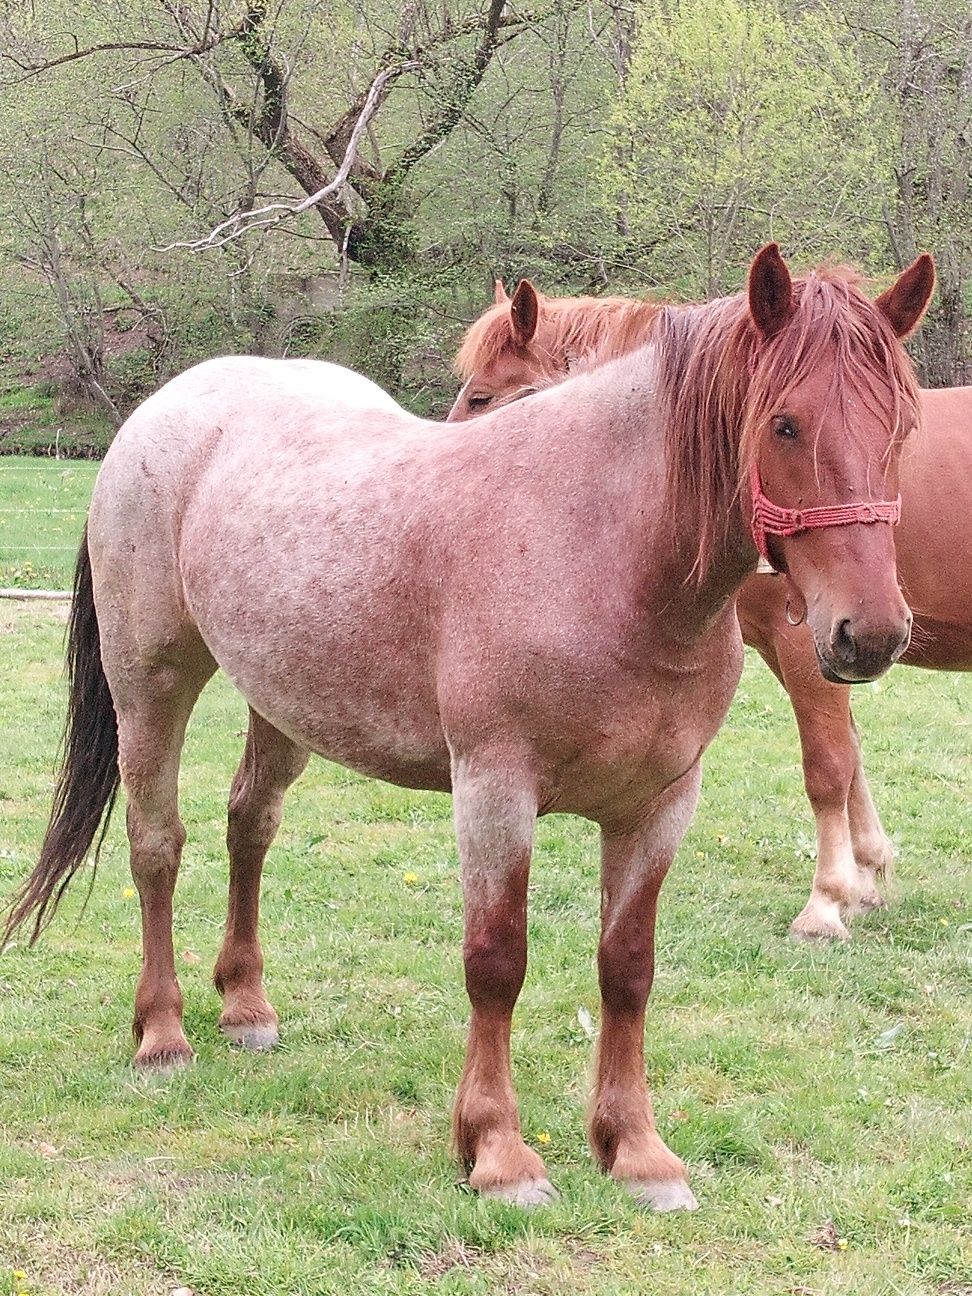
[274,213]
[28,70]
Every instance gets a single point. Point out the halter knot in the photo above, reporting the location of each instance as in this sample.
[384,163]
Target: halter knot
[773,519]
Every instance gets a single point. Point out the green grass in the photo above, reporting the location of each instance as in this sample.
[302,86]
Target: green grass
[42,508]
[32,423]
[821,1096]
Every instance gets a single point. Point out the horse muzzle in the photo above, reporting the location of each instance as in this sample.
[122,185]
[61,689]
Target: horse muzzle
[857,650]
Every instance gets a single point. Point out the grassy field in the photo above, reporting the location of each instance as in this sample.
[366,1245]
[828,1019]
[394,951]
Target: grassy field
[33,422]
[42,507]
[821,1096]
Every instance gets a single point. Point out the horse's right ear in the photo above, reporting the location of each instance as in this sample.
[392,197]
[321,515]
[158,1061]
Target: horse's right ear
[524,312]
[770,291]
[500,295]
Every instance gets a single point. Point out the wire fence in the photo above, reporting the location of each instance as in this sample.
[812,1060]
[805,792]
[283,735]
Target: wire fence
[43,504]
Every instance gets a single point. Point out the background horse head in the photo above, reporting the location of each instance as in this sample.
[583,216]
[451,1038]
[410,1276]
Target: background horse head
[524,343]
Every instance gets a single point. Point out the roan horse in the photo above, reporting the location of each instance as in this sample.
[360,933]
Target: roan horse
[501,611]
[522,344]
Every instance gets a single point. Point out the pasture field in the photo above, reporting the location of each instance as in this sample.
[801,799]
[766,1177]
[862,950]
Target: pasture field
[42,507]
[822,1096]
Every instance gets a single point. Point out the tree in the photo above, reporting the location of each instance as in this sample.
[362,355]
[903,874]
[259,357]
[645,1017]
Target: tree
[926,52]
[736,125]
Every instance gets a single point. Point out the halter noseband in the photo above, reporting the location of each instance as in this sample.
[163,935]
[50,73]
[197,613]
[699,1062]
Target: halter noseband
[773,519]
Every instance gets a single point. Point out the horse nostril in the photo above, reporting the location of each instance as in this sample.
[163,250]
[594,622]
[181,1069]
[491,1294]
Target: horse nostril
[845,645]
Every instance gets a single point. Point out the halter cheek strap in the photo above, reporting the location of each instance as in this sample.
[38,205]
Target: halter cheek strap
[773,519]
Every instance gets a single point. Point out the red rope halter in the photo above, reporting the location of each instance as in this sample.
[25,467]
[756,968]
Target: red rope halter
[773,519]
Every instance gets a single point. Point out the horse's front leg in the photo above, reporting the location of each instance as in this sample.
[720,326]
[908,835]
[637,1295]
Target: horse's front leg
[831,762]
[495,812]
[621,1126]
[873,850]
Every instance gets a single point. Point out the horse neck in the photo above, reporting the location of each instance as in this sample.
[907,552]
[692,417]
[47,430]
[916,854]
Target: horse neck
[607,430]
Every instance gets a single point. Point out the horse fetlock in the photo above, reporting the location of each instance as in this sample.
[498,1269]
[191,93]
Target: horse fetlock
[870,897]
[248,1018]
[630,1149]
[162,1045]
[874,854]
[505,1167]
[652,1173]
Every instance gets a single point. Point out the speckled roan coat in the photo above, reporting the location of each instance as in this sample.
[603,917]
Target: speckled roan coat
[502,610]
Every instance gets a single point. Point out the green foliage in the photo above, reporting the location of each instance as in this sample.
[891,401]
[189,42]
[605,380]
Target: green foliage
[738,124]
[607,148]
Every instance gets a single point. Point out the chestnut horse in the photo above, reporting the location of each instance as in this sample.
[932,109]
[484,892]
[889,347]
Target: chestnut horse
[526,342]
[502,611]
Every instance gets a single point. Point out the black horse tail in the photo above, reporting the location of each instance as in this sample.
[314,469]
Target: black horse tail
[88,779]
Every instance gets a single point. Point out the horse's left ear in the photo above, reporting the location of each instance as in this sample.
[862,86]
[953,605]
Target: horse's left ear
[770,291]
[524,312]
[906,301]
[500,295]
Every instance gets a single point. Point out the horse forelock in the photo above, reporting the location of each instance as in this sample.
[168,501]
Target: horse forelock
[721,382]
[588,330]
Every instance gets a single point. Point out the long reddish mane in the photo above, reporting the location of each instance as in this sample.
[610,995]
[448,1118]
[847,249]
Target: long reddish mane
[568,328]
[721,383]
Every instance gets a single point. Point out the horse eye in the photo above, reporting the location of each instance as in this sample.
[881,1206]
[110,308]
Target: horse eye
[784,427]
[478,402]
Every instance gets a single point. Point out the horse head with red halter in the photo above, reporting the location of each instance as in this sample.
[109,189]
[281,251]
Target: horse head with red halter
[822,445]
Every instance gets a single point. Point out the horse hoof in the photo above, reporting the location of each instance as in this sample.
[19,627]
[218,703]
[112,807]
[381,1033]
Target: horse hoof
[663,1195]
[528,1192]
[871,901]
[256,1039]
[163,1060]
[815,927]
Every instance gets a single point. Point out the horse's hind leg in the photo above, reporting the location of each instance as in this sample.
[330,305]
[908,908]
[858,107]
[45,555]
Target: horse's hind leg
[621,1125]
[152,722]
[270,764]
[495,811]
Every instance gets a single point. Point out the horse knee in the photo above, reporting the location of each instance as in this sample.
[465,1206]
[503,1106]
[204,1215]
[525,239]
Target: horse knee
[828,771]
[494,957]
[625,973]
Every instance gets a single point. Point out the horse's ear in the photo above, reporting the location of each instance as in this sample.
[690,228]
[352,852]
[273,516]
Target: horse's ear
[500,295]
[906,301]
[770,291]
[524,312]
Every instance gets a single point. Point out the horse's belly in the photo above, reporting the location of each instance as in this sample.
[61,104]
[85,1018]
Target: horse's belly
[940,644]
[342,685]
[350,721]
